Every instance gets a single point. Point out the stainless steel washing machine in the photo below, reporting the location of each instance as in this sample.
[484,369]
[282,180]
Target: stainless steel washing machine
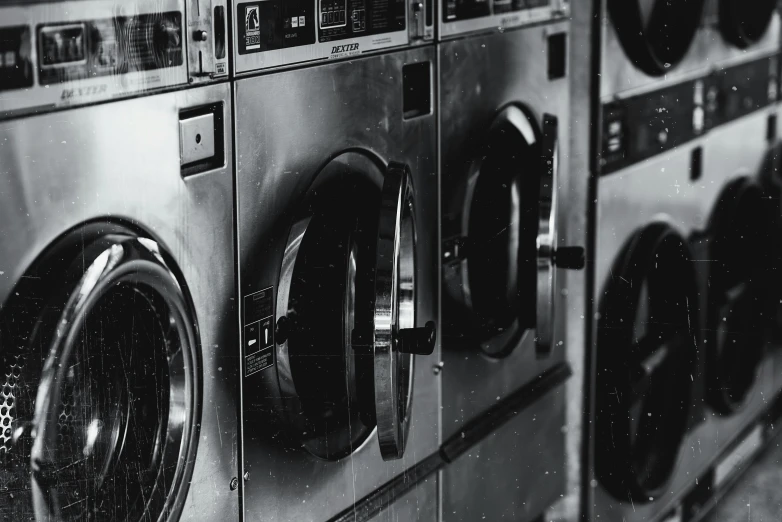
[337,196]
[680,317]
[117,348]
[504,140]
[274,34]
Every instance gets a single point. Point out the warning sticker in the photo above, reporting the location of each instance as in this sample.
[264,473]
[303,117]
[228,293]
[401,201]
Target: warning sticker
[258,334]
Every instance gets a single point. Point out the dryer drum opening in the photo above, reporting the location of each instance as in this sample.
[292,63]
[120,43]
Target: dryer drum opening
[656,34]
[646,356]
[744,23]
[101,392]
[739,269]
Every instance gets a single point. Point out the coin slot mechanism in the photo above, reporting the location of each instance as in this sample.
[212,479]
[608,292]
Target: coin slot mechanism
[417,90]
[557,56]
[201,139]
[219,29]
[696,164]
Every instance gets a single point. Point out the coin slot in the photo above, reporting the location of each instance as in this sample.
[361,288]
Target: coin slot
[417,90]
[557,56]
[201,139]
[696,164]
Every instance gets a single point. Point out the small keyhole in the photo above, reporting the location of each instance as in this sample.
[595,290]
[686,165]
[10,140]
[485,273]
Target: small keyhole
[198,138]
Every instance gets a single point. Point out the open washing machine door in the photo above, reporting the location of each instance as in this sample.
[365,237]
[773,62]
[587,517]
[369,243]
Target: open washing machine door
[100,384]
[656,34]
[502,267]
[740,231]
[646,359]
[346,323]
[744,23]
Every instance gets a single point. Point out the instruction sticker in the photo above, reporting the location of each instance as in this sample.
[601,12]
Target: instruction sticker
[258,335]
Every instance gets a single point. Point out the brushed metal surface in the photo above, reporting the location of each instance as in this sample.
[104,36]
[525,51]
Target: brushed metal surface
[709,51]
[515,473]
[478,76]
[418,505]
[660,188]
[289,125]
[121,161]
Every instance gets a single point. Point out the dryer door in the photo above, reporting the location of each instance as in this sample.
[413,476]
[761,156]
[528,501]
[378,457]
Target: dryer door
[347,309]
[502,268]
[740,231]
[101,387]
[646,360]
[744,23]
[656,34]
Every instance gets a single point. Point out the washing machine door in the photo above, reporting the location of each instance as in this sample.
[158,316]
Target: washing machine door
[656,34]
[502,267]
[744,23]
[100,393]
[646,357]
[740,230]
[347,309]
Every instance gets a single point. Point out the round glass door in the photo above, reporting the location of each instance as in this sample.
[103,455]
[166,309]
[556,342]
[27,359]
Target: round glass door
[347,307]
[646,357]
[738,304]
[101,391]
[744,23]
[494,277]
[656,34]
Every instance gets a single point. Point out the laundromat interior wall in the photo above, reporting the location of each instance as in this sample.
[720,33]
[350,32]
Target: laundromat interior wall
[390,260]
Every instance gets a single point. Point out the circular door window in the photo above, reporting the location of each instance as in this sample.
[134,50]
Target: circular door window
[346,309]
[494,275]
[738,306]
[100,387]
[656,34]
[503,271]
[646,360]
[744,23]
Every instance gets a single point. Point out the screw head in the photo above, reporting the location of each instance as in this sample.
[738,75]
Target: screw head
[246,476]
[234,483]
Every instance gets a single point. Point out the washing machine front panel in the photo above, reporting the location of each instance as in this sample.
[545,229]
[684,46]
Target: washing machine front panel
[459,17]
[660,190]
[305,141]
[61,54]
[133,176]
[477,373]
[421,504]
[274,34]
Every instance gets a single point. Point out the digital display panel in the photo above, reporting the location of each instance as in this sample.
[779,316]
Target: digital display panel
[61,45]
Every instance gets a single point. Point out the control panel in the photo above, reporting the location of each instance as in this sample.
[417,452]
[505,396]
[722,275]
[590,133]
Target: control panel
[639,127]
[71,53]
[459,17]
[279,33]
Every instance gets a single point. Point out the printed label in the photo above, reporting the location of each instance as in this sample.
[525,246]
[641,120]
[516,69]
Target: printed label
[258,334]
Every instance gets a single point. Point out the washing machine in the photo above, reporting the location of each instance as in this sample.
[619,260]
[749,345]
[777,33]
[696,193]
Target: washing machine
[118,361]
[504,105]
[681,371]
[274,34]
[338,248]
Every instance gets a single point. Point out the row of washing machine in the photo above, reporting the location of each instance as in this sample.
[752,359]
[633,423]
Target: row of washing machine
[305,260]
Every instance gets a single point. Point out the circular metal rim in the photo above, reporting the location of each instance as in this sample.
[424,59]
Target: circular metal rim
[137,261]
[546,245]
[396,214]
